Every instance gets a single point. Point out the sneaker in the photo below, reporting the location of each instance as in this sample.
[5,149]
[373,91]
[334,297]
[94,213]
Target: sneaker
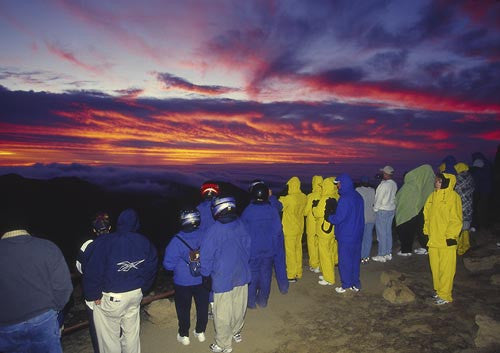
[214,347]
[200,336]
[472,229]
[404,253]
[498,244]
[354,289]
[183,339]
[237,337]
[292,280]
[314,269]
[325,283]
[321,277]
[379,258]
[340,290]
[435,295]
[440,301]
[388,257]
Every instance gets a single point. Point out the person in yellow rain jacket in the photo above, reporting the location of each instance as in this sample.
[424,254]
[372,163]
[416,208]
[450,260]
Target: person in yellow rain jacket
[312,239]
[294,203]
[442,224]
[325,231]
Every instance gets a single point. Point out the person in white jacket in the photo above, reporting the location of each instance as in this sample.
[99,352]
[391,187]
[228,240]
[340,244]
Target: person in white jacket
[384,207]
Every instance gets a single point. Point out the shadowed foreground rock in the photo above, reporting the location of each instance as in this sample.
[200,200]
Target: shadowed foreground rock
[488,334]
[396,292]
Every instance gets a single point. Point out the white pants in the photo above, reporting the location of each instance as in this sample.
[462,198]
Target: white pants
[229,314]
[118,311]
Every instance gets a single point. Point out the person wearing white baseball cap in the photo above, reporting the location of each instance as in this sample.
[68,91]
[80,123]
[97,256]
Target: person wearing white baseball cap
[384,207]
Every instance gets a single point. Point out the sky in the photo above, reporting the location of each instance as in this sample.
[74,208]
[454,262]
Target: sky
[156,83]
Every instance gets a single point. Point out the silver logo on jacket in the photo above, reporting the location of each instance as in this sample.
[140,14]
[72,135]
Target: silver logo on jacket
[126,266]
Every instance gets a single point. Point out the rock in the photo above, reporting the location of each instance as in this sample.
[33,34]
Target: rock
[477,264]
[397,293]
[391,275]
[495,279]
[162,312]
[487,335]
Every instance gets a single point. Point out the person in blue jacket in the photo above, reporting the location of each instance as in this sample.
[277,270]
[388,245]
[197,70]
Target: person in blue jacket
[208,191]
[264,225]
[224,256]
[187,286]
[121,267]
[349,221]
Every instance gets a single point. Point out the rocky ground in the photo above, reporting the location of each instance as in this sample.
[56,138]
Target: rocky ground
[392,313]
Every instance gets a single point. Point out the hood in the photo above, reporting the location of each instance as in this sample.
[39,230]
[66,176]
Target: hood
[317,180]
[346,185]
[293,185]
[461,167]
[328,186]
[128,221]
[452,181]
[423,175]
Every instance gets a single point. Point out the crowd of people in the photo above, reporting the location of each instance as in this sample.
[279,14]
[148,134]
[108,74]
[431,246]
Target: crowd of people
[223,257]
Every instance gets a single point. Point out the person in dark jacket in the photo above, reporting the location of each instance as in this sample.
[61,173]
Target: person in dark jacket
[34,284]
[264,225]
[481,171]
[208,191]
[121,267]
[349,221]
[101,224]
[224,256]
[186,285]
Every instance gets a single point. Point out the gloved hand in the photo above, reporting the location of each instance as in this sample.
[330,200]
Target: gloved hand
[451,242]
[284,192]
[330,207]
[315,203]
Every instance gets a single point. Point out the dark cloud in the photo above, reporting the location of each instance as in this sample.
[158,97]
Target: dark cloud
[389,61]
[173,82]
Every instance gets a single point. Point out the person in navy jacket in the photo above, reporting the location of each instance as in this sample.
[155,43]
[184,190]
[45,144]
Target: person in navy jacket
[349,221]
[186,285]
[121,267]
[264,225]
[225,252]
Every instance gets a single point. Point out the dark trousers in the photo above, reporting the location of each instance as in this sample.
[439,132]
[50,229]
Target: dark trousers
[93,335]
[260,285]
[410,230]
[183,297]
[349,261]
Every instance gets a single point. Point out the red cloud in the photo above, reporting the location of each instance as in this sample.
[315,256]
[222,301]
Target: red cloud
[490,136]
[70,57]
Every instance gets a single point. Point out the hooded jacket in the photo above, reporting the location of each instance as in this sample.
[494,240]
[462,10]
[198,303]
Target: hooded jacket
[443,215]
[121,261]
[315,195]
[349,219]
[329,190]
[410,199]
[177,257]
[293,208]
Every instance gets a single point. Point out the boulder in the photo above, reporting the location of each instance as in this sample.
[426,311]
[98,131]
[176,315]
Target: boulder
[487,335]
[477,264]
[391,275]
[397,293]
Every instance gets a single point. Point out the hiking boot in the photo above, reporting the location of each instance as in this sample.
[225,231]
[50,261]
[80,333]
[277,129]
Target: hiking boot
[200,336]
[314,269]
[379,258]
[435,295]
[325,283]
[214,347]
[404,253]
[354,289]
[237,337]
[183,339]
[340,290]
[440,301]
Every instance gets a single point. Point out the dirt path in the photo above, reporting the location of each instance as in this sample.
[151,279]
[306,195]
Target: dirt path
[315,319]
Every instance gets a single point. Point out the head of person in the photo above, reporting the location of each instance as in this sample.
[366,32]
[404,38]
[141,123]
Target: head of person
[101,224]
[13,218]
[190,220]
[224,209]
[387,172]
[441,182]
[209,190]
[259,193]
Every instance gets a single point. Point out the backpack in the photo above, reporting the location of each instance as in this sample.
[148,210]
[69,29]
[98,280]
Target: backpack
[194,259]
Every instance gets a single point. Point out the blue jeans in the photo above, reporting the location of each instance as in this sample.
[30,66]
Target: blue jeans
[383,226]
[366,245]
[36,335]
